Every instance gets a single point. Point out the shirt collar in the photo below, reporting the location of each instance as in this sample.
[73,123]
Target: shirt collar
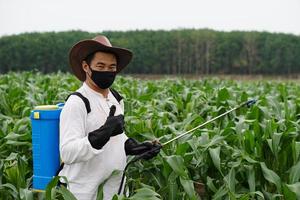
[90,90]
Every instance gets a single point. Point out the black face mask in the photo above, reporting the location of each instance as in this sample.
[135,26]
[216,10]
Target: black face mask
[103,79]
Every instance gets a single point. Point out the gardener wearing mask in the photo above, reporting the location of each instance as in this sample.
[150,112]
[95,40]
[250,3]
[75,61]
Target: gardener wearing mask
[93,143]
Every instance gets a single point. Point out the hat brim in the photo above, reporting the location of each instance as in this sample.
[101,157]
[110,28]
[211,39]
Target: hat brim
[85,47]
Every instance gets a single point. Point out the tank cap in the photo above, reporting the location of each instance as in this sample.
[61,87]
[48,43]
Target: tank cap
[46,107]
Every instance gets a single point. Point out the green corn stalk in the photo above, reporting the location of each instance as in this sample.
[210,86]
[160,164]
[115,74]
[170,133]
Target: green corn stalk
[249,154]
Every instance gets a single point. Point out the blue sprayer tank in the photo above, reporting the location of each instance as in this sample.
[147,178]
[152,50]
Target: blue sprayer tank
[45,144]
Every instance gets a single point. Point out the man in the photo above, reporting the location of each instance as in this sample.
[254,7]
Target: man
[92,139]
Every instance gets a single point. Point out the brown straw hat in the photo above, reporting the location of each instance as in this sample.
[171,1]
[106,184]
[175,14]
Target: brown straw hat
[82,49]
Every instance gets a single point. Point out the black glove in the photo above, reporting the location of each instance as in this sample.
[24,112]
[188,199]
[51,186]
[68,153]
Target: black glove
[116,123]
[148,149]
[113,125]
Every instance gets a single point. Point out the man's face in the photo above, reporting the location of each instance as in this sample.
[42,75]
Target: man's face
[104,62]
[101,61]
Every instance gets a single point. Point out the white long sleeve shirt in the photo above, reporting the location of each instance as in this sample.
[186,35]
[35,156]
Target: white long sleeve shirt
[85,167]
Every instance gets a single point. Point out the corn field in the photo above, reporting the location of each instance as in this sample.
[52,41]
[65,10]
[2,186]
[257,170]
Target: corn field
[252,153]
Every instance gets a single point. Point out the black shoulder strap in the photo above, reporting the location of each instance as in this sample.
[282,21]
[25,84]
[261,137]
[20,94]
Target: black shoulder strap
[87,103]
[116,95]
[60,168]
[84,99]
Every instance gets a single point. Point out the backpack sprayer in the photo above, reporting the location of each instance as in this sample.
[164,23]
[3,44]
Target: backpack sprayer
[45,145]
[136,158]
[45,137]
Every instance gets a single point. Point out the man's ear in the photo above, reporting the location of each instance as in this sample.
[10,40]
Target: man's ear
[85,66]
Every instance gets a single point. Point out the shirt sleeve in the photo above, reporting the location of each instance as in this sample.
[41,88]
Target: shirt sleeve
[74,144]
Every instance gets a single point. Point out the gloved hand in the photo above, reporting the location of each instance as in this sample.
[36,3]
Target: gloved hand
[149,149]
[113,126]
[116,123]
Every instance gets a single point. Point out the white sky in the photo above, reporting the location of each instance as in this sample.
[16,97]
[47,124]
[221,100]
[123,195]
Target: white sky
[18,16]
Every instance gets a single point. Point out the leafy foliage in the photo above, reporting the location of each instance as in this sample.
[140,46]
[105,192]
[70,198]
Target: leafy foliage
[249,154]
[183,51]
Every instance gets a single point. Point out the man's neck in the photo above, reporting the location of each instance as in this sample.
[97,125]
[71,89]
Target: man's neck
[104,92]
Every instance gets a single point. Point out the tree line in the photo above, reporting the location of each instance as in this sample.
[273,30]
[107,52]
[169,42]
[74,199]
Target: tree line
[184,51]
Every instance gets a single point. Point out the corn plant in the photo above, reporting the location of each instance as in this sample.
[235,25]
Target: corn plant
[249,154]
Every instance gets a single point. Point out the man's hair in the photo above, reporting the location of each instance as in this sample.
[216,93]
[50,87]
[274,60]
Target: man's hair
[90,57]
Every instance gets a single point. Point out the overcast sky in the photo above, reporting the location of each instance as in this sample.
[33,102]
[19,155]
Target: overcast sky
[18,16]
